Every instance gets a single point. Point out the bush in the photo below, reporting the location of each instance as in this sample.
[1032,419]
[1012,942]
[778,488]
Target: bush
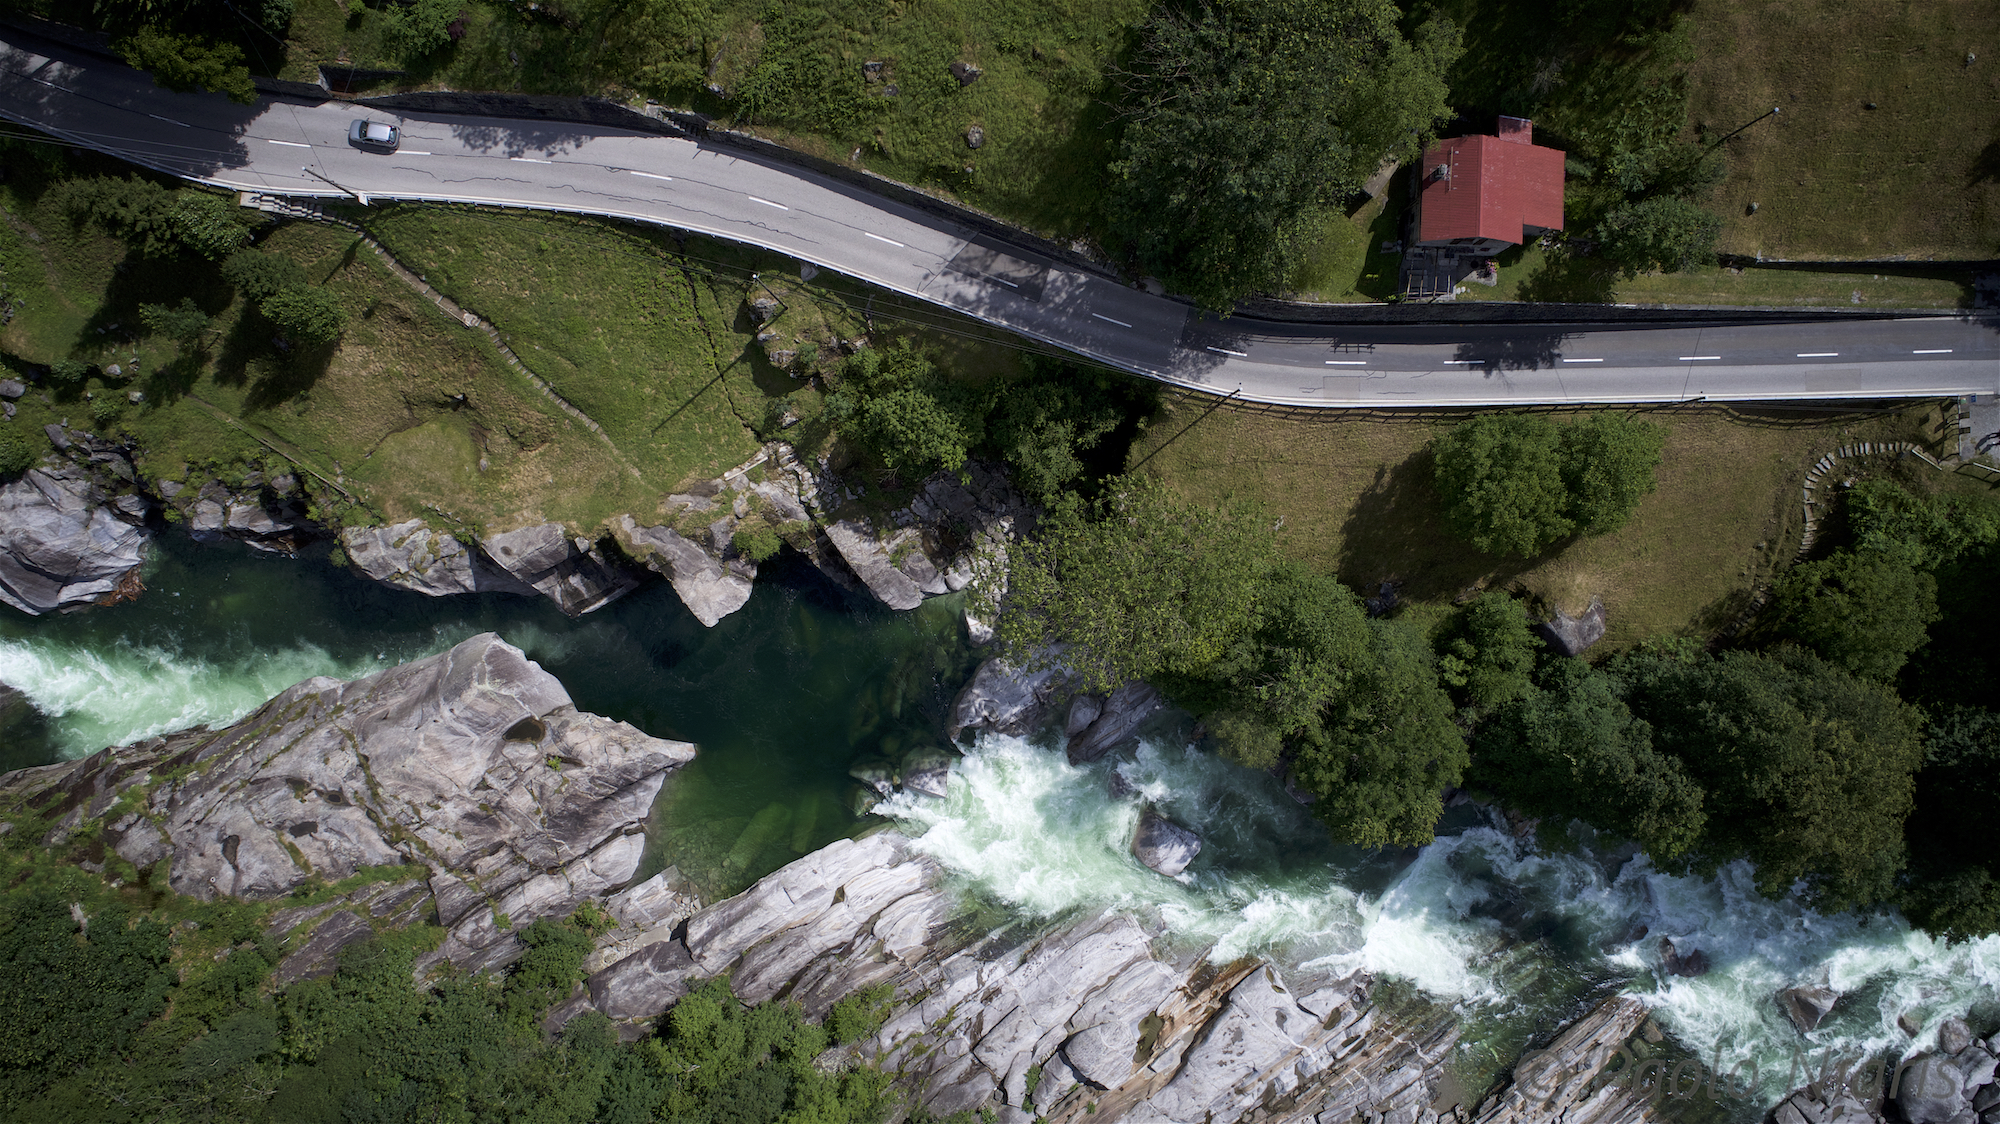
[1665,233]
[185,62]
[69,372]
[257,274]
[759,543]
[183,323]
[18,453]
[310,316]
[1860,613]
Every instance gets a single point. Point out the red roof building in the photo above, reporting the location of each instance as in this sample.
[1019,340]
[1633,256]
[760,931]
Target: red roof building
[1483,194]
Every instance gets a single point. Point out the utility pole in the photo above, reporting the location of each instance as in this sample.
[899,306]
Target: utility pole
[1775,110]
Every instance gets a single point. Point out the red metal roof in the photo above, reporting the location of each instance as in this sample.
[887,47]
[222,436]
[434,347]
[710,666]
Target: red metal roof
[1496,187]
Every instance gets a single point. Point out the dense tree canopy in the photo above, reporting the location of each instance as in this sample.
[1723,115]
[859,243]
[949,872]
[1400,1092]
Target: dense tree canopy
[1139,584]
[310,315]
[1574,749]
[1862,612]
[1805,769]
[1244,118]
[1389,747]
[1487,651]
[185,63]
[1519,483]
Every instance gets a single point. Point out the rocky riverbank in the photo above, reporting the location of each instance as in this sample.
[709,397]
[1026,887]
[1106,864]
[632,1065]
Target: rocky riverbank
[474,773]
[73,533]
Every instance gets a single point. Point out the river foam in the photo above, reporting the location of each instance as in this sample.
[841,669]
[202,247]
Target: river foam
[1513,936]
[113,695]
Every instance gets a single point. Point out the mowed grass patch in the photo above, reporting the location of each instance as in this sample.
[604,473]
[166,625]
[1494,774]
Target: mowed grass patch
[1344,261]
[1528,273]
[1355,497]
[609,316]
[1919,175]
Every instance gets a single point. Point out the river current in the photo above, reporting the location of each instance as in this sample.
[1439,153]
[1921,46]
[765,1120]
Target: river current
[806,681]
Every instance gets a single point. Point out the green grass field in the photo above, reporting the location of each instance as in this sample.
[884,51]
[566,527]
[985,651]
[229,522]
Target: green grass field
[1917,176]
[1354,493]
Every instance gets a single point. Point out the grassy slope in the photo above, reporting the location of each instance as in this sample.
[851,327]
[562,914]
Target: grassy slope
[1917,176]
[628,336]
[1355,495]
[1526,273]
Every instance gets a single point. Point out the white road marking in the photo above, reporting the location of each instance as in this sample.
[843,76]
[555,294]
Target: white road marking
[1698,358]
[1568,360]
[767,202]
[1109,320]
[1226,351]
[651,176]
[288,144]
[1818,354]
[529,160]
[1347,362]
[890,241]
[408,152]
[171,121]
[1004,281]
[1932,351]
[1460,360]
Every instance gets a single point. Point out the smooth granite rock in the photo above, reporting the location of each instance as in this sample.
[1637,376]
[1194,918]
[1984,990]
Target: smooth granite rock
[61,545]
[711,587]
[411,556]
[1006,699]
[1806,1006]
[1117,722]
[1163,845]
[473,762]
[573,573]
[1572,636]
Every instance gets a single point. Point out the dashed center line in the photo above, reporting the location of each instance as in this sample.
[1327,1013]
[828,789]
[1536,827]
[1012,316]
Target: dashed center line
[1569,360]
[409,152]
[1818,354]
[879,238]
[1120,323]
[182,124]
[1698,358]
[288,144]
[529,160]
[1226,351]
[767,202]
[1004,281]
[1460,360]
[1932,351]
[1347,362]
[653,176]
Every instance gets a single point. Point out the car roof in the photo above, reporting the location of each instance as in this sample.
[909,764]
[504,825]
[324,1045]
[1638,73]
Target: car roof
[378,131]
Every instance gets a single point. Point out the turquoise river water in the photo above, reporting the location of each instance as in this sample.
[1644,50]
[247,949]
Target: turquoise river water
[786,695]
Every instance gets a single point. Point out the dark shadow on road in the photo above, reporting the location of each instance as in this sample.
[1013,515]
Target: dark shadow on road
[68,92]
[1513,351]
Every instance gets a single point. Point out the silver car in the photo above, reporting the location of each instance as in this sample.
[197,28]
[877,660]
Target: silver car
[364,133]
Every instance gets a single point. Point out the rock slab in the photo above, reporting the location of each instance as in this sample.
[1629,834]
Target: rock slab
[473,762]
[62,545]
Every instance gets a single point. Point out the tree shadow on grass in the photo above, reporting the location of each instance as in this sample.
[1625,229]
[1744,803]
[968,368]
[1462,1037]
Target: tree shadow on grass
[1396,532]
[1565,279]
[1985,166]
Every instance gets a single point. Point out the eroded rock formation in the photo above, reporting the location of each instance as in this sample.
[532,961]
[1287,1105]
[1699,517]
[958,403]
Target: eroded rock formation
[65,542]
[473,763]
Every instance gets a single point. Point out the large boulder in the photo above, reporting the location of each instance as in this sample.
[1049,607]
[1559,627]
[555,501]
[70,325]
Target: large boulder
[1571,636]
[1007,699]
[473,762]
[1086,1004]
[1163,845]
[1117,722]
[412,556]
[62,546]
[1932,1092]
[1806,1006]
[711,584]
[574,573]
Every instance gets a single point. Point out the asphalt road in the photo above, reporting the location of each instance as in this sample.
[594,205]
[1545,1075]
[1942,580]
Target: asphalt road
[290,147]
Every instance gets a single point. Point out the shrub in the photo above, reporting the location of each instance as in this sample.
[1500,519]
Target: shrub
[257,274]
[18,453]
[310,316]
[759,543]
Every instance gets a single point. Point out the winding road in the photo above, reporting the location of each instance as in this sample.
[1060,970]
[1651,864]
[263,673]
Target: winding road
[293,147]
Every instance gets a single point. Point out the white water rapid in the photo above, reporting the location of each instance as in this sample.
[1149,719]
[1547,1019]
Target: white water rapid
[1516,939]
